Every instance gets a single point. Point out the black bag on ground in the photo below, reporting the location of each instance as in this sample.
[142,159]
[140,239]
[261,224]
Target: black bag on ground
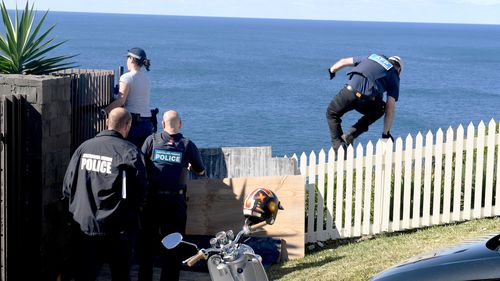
[272,250]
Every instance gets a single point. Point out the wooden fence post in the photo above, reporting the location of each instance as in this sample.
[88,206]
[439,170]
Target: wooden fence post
[457,190]
[367,214]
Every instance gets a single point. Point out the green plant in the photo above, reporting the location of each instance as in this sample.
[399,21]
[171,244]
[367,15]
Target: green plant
[22,52]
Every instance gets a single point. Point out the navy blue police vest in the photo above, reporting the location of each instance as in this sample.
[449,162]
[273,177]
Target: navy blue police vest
[169,171]
[373,69]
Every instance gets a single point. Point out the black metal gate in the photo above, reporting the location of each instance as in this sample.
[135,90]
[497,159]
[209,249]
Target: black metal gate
[17,220]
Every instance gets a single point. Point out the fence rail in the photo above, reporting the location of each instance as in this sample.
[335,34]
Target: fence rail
[397,186]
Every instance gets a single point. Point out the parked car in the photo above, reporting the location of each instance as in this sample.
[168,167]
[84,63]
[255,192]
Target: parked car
[478,259]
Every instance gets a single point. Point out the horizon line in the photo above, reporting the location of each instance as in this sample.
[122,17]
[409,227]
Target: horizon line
[262,18]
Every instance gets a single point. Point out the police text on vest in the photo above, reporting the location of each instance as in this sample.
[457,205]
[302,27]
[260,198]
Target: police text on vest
[96,163]
[165,156]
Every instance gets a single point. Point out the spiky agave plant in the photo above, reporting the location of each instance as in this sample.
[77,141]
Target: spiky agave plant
[22,52]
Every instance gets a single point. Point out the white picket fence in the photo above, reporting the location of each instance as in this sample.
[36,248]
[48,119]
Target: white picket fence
[403,186]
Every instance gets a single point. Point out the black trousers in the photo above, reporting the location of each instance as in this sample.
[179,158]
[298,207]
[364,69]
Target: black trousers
[140,130]
[90,252]
[346,101]
[162,215]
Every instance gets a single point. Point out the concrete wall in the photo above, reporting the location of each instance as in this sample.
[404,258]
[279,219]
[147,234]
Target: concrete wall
[50,98]
[49,139]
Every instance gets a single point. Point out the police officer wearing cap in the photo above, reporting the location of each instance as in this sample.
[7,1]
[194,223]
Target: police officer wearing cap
[134,92]
[168,157]
[105,184]
[369,78]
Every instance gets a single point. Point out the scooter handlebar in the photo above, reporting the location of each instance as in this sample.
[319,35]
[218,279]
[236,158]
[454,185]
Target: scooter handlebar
[257,225]
[194,259]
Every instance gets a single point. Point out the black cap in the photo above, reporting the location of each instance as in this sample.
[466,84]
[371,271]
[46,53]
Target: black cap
[137,53]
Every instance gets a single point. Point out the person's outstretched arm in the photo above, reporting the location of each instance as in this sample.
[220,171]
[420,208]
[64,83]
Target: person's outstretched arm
[390,109]
[341,64]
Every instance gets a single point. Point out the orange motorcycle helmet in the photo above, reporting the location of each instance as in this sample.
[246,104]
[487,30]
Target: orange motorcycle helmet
[261,205]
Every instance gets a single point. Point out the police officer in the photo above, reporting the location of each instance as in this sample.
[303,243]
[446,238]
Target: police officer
[369,78]
[134,95]
[105,184]
[168,157]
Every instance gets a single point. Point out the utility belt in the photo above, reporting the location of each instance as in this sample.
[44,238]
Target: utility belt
[171,192]
[360,95]
[136,118]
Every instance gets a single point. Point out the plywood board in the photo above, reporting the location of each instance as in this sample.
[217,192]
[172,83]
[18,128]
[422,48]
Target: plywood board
[216,205]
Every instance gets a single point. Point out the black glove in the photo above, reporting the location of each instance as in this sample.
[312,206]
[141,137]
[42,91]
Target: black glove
[388,136]
[103,113]
[154,121]
[332,74]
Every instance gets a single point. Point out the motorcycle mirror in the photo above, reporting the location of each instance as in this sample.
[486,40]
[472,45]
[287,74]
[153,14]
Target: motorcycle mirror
[172,240]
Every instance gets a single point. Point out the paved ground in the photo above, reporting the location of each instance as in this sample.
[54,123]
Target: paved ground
[185,275]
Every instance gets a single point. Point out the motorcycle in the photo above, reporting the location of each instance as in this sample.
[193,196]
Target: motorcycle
[228,258]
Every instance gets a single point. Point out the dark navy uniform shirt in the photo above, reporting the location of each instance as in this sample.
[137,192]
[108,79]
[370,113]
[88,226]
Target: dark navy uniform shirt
[93,184]
[373,75]
[167,159]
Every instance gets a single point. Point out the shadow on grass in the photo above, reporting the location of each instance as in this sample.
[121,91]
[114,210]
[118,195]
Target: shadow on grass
[278,271]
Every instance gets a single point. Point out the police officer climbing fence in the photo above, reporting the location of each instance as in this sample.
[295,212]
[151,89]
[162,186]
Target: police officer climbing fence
[105,184]
[369,78]
[168,157]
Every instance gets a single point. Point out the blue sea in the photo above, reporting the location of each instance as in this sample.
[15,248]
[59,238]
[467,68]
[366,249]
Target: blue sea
[263,82]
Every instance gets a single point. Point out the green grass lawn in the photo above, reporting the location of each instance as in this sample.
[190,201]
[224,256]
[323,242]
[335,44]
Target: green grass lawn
[359,260]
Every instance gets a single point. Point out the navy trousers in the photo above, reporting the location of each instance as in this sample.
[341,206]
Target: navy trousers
[141,128]
[346,101]
[163,214]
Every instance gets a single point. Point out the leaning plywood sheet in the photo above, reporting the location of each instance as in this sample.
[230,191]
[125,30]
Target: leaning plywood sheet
[216,205]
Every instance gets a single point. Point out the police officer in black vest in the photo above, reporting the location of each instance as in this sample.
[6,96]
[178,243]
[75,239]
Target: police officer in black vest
[369,78]
[169,156]
[105,184]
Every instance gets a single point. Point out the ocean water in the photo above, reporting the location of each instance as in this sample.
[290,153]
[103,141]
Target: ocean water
[262,82]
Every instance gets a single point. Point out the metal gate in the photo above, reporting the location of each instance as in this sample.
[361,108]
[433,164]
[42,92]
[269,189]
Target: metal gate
[14,183]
